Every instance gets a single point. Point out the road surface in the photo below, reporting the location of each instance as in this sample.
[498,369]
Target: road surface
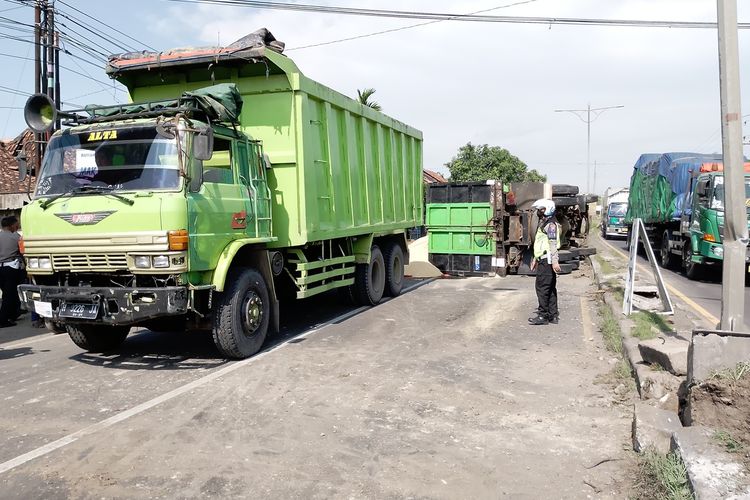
[444,392]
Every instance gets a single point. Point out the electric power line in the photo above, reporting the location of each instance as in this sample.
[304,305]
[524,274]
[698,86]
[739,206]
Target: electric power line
[402,28]
[400,14]
[107,25]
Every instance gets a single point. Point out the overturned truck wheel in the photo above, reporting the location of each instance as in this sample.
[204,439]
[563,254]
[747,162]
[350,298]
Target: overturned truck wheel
[97,338]
[242,314]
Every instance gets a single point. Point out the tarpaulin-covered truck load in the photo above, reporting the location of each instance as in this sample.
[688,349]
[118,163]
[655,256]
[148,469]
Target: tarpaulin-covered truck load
[230,182]
[680,199]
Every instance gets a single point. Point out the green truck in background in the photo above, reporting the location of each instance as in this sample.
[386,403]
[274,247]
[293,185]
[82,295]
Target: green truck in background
[680,199]
[234,180]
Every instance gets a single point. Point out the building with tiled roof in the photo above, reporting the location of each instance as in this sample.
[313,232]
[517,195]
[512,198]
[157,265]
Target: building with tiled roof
[431,177]
[14,194]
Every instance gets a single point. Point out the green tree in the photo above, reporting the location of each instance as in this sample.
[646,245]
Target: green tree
[481,163]
[363,96]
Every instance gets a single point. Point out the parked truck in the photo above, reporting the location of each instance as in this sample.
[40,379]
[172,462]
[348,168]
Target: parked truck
[614,209]
[680,198]
[488,228]
[198,207]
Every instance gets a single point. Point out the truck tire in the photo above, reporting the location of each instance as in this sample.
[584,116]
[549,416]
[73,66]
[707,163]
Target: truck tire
[586,251]
[691,269]
[666,259]
[394,269]
[565,256]
[369,279]
[566,268]
[564,190]
[242,314]
[97,338]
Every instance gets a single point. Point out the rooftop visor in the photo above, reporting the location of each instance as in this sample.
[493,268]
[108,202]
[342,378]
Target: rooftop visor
[259,52]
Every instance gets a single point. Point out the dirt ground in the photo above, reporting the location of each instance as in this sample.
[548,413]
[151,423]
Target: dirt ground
[723,404]
[444,392]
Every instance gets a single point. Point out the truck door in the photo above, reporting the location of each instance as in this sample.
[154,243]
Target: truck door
[217,213]
[257,194]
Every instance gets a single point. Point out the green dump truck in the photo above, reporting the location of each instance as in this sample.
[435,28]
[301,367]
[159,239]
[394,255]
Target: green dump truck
[232,181]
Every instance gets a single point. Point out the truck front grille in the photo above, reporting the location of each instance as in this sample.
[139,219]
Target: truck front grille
[78,262]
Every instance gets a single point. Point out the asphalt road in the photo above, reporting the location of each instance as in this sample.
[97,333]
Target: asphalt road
[705,292]
[443,392]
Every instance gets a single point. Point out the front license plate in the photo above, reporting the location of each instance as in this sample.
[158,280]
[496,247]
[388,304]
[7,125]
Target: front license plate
[82,311]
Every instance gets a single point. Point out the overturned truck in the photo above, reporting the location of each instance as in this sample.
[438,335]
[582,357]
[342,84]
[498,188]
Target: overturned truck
[486,228]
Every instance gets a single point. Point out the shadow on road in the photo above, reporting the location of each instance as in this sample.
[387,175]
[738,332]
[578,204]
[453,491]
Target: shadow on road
[189,350]
[15,353]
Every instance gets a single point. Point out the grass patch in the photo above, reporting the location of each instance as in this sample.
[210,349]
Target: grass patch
[728,442]
[605,266]
[644,321]
[610,329]
[662,476]
[618,291]
[735,374]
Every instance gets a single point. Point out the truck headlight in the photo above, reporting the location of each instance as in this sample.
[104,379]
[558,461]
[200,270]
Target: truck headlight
[33,263]
[45,263]
[718,251]
[161,261]
[142,261]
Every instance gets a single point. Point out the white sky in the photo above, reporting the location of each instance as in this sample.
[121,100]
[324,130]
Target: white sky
[486,83]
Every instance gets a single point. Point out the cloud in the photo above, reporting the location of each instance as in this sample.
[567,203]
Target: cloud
[500,83]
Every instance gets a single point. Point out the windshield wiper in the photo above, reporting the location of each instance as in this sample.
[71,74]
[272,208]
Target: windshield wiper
[87,188]
[93,188]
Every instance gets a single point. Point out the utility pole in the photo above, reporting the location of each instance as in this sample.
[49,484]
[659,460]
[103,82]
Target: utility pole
[735,217]
[579,113]
[35,167]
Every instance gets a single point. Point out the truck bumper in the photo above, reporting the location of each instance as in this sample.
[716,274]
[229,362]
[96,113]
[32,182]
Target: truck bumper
[115,306]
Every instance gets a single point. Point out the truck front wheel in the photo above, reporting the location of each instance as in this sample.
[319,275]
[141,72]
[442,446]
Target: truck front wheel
[666,258]
[97,338]
[692,269]
[394,269]
[369,279]
[242,314]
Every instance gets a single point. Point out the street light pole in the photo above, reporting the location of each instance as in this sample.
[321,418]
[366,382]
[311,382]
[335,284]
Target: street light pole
[735,236]
[588,120]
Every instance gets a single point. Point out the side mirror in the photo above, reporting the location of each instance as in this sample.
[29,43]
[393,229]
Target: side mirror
[196,176]
[701,188]
[203,145]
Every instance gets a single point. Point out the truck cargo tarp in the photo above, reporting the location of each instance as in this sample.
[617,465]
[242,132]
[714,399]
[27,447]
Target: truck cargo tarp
[660,183]
[249,46]
[221,102]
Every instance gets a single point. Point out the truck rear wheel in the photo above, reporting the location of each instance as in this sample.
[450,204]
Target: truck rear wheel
[242,314]
[369,279]
[394,269]
[692,269]
[97,338]
[666,258]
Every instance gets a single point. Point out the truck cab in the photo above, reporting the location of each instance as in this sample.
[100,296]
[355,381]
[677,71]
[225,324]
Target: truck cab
[703,224]
[613,220]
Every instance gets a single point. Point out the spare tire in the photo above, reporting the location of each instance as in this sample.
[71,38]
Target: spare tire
[562,201]
[565,256]
[586,251]
[564,190]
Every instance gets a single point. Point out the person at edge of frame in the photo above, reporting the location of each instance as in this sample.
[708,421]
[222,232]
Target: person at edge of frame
[11,271]
[546,263]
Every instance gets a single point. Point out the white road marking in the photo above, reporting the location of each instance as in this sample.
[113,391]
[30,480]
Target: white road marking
[124,415]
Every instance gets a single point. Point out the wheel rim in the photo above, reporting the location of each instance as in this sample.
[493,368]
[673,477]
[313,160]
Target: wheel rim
[398,270]
[252,313]
[377,276]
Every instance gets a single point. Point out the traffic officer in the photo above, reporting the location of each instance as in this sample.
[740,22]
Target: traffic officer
[546,263]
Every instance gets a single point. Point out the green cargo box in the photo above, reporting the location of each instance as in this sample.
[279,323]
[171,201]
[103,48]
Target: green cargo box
[338,168]
[466,241]
[443,215]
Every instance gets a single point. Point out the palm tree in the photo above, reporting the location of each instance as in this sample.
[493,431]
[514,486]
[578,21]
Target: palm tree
[363,96]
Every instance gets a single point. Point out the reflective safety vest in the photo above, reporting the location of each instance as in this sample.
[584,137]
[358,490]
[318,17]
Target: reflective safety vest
[541,240]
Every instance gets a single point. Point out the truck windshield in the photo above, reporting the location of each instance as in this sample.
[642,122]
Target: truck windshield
[120,159]
[618,209]
[717,194]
